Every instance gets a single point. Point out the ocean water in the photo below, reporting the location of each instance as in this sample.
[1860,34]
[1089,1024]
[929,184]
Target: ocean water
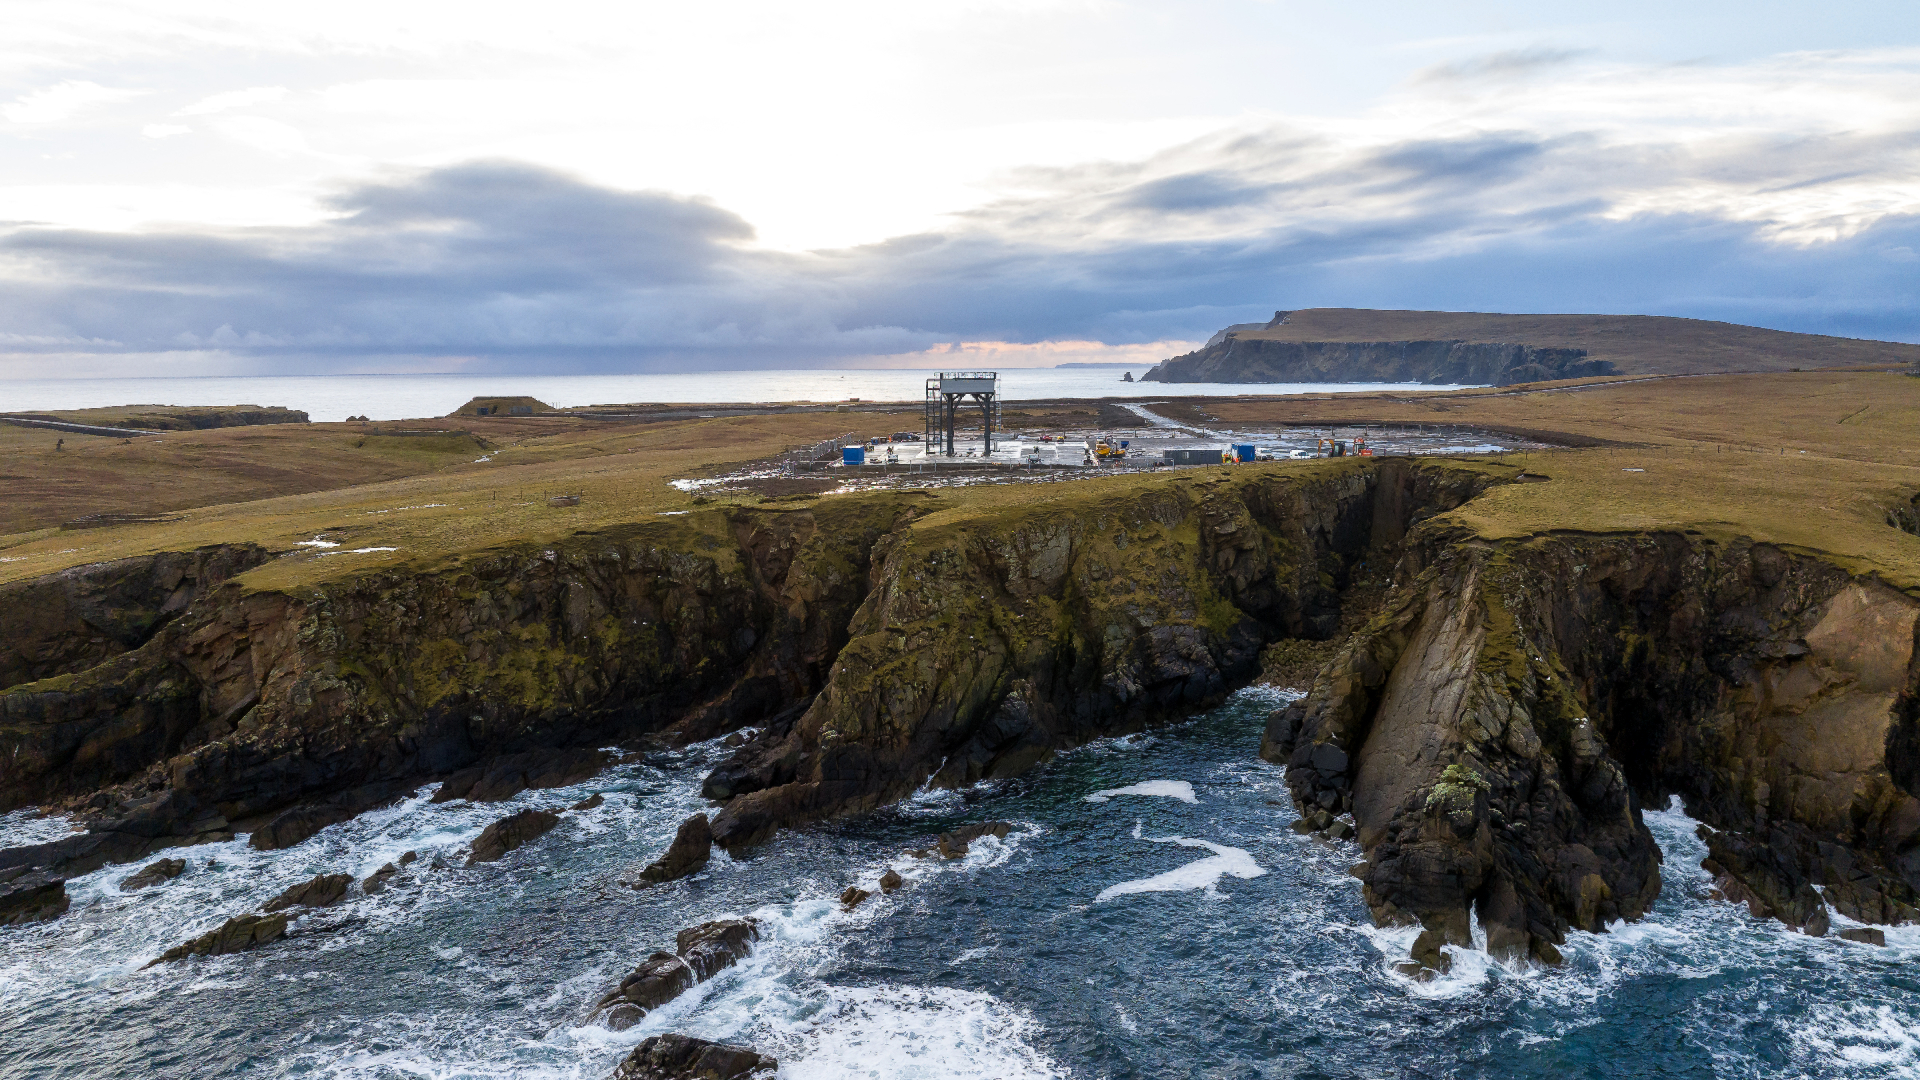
[399,397]
[1151,915]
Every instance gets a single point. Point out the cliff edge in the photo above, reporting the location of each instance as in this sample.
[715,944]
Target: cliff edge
[1362,345]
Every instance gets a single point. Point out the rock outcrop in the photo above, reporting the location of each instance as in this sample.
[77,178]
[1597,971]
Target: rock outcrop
[322,891]
[956,843]
[508,833]
[1497,729]
[31,895]
[688,854]
[156,872]
[507,776]
[79,618]
[985,645]
[238,934]
[682,1057]
[700,953]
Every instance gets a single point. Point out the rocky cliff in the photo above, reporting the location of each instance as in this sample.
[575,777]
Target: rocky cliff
[247,704]
[1234,359]
[1494,727]
[1496,730]
[985,644]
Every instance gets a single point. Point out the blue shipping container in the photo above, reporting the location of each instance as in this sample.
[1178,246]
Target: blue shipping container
[1243,452]
[853,455]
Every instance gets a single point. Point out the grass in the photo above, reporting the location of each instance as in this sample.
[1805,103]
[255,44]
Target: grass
[1706,455]
[428,504]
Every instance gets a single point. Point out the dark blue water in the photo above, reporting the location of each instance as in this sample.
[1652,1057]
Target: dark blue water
[1226,946]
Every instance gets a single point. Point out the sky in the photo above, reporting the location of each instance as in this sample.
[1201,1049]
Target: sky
[213,187]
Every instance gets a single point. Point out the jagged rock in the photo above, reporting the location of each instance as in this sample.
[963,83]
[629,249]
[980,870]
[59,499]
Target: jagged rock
[700,953]
[376,882]
[238,934]
[322,891]
[31,895]
[680,1057]
[591,802]
[714,946]
[658,979]
[507,776]
[691,848]
[510,832]
[890,881]
[81,853]
[1493,730]
[953,845]
[291,826]
[407,858]
[154,873]
[1866,935]
[853,897]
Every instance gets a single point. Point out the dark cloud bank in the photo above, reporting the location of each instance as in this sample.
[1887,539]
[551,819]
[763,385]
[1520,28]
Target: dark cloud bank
[521,268]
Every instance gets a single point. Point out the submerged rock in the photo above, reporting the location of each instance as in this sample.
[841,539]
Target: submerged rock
[511,832]
[890,881]
[592,802]
[322,891]
[377,881]
[238,934]
[953,845]
[701,952]
[691,848]
[31,895]
[1866,935]
[681,1057]
[853,897]
[154,873]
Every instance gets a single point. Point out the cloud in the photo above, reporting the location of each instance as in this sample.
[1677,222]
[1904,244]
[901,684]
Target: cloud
[234,99]
[1754,206]
[61,102]
[1506,64]
[165,131]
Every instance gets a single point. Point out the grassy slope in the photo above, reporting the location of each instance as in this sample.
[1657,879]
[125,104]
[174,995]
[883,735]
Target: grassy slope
[1830,499]
[621,472]
[1636,343]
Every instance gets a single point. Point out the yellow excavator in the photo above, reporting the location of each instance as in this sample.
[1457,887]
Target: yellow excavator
[1110,448]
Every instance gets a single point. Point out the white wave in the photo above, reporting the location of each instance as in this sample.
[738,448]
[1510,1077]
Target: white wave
[23,827]
[1878,1036]
[316,542]
[1170,789]
[1199,874]
[917,1033]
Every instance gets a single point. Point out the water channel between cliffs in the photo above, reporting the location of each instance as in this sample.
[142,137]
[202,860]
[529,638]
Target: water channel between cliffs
[1226,945]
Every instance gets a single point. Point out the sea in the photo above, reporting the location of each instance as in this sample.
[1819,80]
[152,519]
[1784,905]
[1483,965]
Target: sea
[1151,914]
[398,397]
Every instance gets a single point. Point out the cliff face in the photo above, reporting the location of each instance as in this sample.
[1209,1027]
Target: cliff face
[1497,729]
[984,646]
[250,703]
[1494,729]
[1236,360]
[70,621]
